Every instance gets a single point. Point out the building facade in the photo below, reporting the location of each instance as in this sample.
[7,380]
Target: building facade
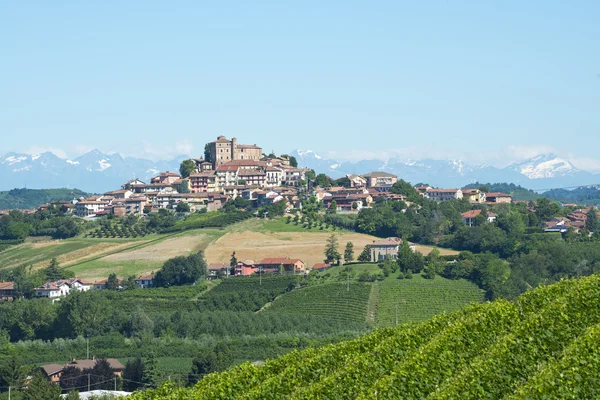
[223,150]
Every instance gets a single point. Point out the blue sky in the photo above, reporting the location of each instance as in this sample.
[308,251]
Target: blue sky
[480,80]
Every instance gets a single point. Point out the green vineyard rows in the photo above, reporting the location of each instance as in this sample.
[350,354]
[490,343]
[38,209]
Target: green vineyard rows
[334,301]
[545,345]
[418,299]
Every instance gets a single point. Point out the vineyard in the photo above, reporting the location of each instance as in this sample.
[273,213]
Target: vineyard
[543,345]
[246,293]
[418,299]
[119,229]
[333,301]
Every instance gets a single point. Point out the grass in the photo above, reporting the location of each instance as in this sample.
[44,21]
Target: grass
[418,299]
[281,225]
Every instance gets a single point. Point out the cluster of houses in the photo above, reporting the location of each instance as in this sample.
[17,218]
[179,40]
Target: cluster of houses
[474,196]
[57,289]
[576,220]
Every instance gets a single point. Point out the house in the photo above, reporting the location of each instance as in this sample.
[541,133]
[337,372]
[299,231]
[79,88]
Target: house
[469,217]
[218,269]
[78,284]
[380,181]
[120,194]
[474,195]
[321,266]
[422,189]
[167,178]
[245,268]
[498,197]
[203,181]
[7,290]
[53,289]
[145,281]
[101,285]
[135,205]
[356,181]
[380,249]
[289,265]
[86,208]
[54,371]
[443,194]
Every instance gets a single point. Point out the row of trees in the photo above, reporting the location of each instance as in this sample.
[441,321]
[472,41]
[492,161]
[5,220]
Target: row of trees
[332,254]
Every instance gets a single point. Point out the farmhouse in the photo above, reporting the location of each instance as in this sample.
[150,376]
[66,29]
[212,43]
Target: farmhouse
[145,281]
[380,249]
[7,290]
[497,197]
[54,371]
[218,269]
[469,217]
[289,265]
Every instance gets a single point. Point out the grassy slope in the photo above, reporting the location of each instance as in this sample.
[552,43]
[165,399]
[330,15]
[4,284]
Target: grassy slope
[543,345]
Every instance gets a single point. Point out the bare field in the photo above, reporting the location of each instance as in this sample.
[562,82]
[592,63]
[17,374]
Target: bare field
[162,250]
[307,246]
[443,252]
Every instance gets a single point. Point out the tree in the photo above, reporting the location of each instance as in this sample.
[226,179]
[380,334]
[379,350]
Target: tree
[40,388]
[129,283]
[112,283]
[293,162]
[484,188]
[138,324]
[349,252]
[181,270]
[13,372]
[331,249]
[133,374]
[323,181]
[187,167]
[183,187]
[354,205]
[150,376]
[546,209]
[202,364]
[207,156]
[591,222]
[71,378]
[233,261]
[52,272]
[102,376]
[365,255]
[182,207]
[332,207]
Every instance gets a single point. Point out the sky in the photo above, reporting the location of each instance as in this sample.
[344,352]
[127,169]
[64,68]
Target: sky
[484,81]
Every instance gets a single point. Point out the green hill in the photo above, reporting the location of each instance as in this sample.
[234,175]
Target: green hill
[546,344]
[33,198]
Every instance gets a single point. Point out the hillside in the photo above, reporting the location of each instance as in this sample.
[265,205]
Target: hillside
[543,345]
[516,191]
[588,196]
[33,198]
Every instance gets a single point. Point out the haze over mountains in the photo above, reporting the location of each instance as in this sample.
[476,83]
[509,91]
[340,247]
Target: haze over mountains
[97,172]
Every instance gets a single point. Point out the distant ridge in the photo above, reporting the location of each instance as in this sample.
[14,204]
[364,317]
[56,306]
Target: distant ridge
[541,172]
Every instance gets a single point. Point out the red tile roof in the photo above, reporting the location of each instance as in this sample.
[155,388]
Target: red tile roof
[321,266]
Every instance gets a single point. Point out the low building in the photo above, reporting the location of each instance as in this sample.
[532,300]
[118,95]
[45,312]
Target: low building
[245,268]
[474,195]
[54,371]
[443,194]
[273,264]
[53,289]
[380,181]
[321,267]
[145,281]
[216,270]
[389,247]
[469,217]
[7,290]
[86,208]
[498,197]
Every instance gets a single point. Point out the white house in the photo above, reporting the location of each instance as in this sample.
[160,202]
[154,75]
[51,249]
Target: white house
[86,208]
[443,194]
[469,217]
[145,281]
[53,289]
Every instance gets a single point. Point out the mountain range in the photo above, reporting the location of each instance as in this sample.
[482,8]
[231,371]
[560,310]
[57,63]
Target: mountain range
[544,171]
[97,172]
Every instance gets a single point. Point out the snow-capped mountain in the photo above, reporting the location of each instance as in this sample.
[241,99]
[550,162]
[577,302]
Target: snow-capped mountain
[545,166]
[541,172]
[92,172]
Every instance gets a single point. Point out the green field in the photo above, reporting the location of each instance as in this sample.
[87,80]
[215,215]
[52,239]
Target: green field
[332,301]
[418,299]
